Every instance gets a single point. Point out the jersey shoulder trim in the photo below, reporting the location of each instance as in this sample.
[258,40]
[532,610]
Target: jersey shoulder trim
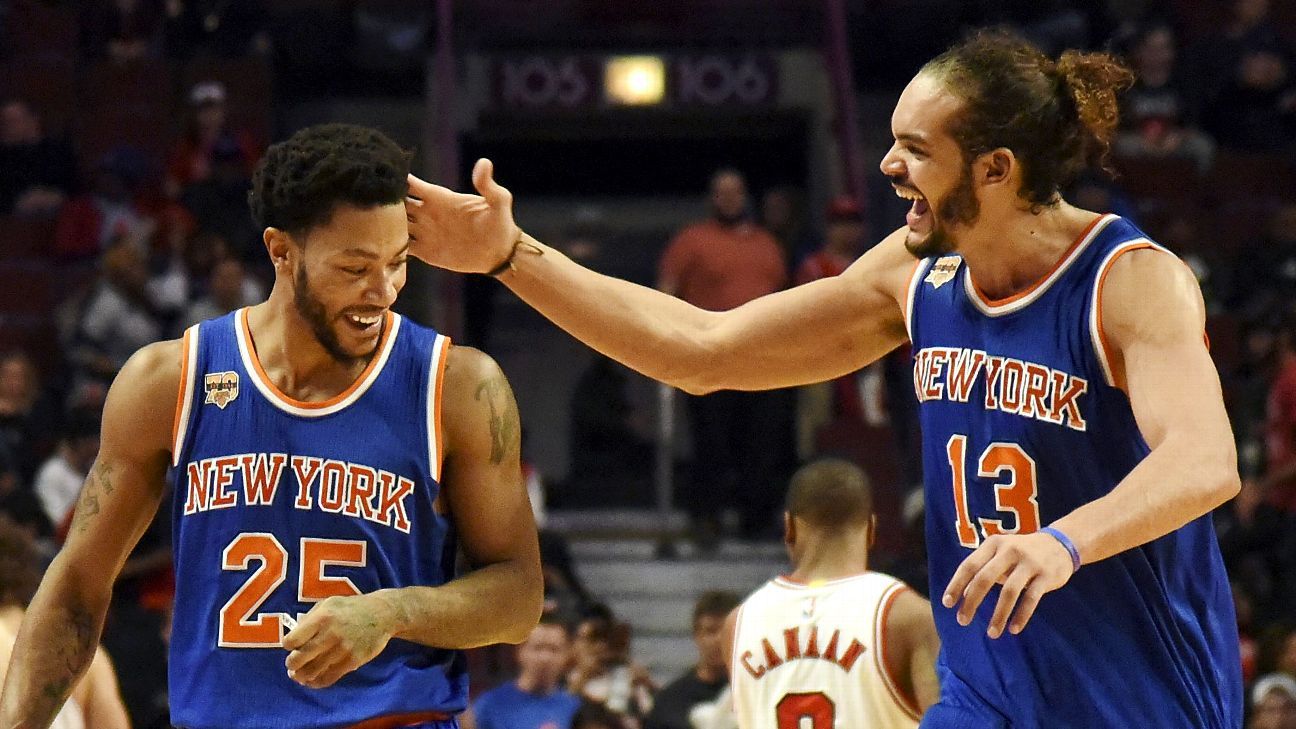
[1102,349]
[907,704]
[252,364]
[911,293]
[184,398]
[436,379]
[1022,299]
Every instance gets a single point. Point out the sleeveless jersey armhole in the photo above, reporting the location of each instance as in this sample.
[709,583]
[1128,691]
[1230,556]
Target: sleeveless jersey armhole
[436,380]
[911,294]
[907,704]
[1098,337]
[185,394]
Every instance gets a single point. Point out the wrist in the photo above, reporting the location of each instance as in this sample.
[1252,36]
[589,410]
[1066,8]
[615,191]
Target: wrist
[385,606]
[506,264]
[1072,552]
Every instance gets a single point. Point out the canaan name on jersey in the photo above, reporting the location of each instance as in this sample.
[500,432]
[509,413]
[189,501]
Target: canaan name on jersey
[336,487]
[793,651]
[1022,388]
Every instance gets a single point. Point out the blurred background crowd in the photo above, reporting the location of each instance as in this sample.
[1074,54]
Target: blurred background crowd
[129,130]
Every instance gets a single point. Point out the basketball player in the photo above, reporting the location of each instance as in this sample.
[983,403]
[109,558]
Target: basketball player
[326,456]
[1071,412]
[832,643]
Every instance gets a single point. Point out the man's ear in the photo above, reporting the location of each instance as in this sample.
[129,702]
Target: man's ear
[281,248]
[996,166]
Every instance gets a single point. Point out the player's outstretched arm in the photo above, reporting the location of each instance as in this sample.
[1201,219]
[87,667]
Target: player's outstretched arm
[912,647]
[1152,320]
[811,333]
[500,600]
[61,629]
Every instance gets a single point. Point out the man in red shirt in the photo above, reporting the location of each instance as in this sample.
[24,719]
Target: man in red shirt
[719,264]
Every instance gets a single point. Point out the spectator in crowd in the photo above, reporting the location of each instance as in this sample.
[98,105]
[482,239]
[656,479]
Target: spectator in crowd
[1158,111]
[36,171]
[123,30]
[1280,425]
[843,242]
[1256,111]
[719,264]
[603,443]
[536,700]
[96,701]
[58,483]
[674,704]
[219,202]
[29,415]
[17,500]
[602,671]
[228,288]
[780,214]
[191,159]
[118,317]
[89,223]
[1273,703]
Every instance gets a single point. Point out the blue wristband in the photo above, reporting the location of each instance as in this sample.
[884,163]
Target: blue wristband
[1066,542]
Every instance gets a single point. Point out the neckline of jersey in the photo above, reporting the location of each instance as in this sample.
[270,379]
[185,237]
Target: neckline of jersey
[304,408]
[1027,296]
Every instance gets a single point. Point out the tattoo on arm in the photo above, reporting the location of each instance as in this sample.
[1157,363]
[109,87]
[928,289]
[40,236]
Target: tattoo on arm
[100,479]
[503,415]
[72,653]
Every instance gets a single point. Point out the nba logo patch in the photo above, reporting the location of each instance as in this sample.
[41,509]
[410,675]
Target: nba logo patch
[221,388]
[943,270]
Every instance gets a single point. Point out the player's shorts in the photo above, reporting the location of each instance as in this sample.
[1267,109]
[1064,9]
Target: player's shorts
[960,707]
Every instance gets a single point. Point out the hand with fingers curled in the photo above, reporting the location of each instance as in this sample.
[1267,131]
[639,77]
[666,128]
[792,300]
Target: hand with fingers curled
[462,232]
[337,636]
[1026,565]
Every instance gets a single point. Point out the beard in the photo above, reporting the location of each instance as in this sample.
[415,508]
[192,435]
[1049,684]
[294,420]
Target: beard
[313,311]
[959,207]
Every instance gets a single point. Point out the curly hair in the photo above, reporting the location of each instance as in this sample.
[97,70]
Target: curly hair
[1058,117]
[302,180]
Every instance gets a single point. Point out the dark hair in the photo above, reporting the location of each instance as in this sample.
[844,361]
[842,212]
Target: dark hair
[714,604]
[20,564]
[553,617]
[1057,117]
[302,180]
[831,494]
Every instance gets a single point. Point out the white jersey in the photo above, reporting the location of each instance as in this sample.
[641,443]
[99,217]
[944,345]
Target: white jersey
[811,657]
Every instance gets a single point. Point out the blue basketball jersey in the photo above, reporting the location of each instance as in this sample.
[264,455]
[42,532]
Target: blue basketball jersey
[1021,425]
[279,504]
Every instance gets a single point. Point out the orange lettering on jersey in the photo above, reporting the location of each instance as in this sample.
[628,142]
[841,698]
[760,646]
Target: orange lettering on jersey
[792,643]
[746,662]
[198,473]
[332,486]
[772,659]
[225,469]
[360,491]
[1012,385]
[812,646]
[1036,391]
[994,374]
[935,362]
[306,468]
[964,367]
[852,654]
[261,477]
[391,506]
[1065,403]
